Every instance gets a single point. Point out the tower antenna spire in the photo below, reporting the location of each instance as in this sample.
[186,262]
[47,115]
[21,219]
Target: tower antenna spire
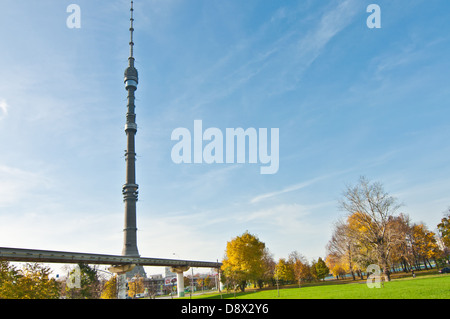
[131,58]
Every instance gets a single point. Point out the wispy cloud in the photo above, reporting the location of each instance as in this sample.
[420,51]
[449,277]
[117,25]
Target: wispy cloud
[288,189]
[296,187]
[276,64]
[17,184]
[285,216]
[3,108]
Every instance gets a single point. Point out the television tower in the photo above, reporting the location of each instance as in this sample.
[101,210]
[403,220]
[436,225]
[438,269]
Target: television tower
[130,188]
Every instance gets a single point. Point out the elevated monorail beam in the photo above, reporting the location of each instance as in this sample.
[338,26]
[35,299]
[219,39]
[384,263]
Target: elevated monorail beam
[64,257]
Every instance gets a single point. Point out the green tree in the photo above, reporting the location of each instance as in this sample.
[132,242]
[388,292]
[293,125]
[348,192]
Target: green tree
[244,260]
[321,269]
[90,286]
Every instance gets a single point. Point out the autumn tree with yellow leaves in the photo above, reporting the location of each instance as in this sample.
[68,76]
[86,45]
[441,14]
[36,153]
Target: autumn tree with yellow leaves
[374,233]
[284,271]
[371,209]
[336,266]
[424,244]
[30,282]
[342,249]
[244,260]
[110,289]
[301,268]
[136,286]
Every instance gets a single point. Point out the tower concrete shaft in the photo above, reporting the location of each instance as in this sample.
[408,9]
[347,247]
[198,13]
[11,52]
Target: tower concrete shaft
[130,188]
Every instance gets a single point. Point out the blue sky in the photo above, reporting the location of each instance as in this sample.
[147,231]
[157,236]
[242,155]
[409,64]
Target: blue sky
[348,101]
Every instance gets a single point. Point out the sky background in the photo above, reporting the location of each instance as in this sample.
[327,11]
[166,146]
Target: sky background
[348,101]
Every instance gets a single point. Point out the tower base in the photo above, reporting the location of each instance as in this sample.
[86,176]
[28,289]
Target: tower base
[138,269]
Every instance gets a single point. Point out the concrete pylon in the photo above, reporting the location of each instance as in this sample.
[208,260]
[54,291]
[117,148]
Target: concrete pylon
[180,278]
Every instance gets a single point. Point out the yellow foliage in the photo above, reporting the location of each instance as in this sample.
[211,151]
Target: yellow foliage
[243,260]
[110,289]
[32,282]
[424,241]
[284,270]
[136,286]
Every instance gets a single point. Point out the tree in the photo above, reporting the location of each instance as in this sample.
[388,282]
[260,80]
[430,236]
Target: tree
[209,283]
[136,286]
[31,282]
[284,271]
[321,269]
[444,229]
[187,281]
[268,264]
[90,286]
[337,268]
[372,209]
[300,267]
[243,260]
[341,250]
[110,289]
[200,283]
[364,251]
[424,243]
[401,252]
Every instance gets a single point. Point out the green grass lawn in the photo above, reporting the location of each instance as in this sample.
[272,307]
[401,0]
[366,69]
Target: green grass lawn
[428,287]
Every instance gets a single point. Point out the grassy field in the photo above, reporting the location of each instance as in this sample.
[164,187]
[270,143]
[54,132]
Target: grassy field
[426,287]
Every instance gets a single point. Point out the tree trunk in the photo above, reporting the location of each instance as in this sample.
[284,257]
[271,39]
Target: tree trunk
[387,273]
[404,266]
[416,265]
[384,264]
[242,285]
